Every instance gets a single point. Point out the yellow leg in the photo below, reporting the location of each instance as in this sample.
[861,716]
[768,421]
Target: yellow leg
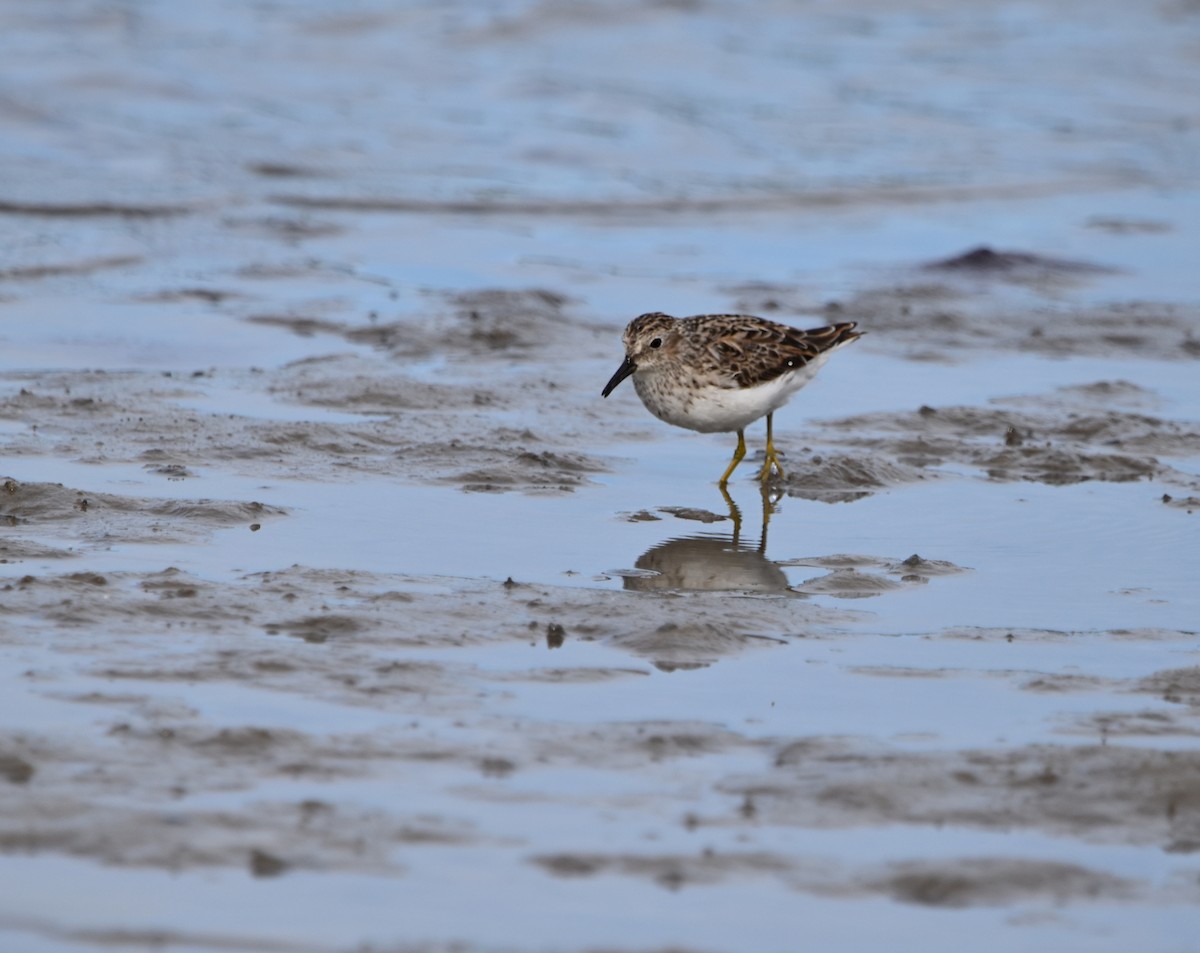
[737,458]
[768,507]
[735,514]
[772,457]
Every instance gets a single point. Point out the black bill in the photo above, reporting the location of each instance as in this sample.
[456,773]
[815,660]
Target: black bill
[627,367]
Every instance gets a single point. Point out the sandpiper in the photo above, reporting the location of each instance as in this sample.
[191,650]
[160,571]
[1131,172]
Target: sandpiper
[718,373]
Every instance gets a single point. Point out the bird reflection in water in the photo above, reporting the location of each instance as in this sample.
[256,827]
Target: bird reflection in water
[715,561]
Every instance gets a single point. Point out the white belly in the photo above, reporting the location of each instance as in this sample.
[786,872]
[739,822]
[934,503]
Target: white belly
[709,409]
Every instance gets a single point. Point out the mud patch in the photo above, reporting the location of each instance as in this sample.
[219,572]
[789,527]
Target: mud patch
[1180,685]
[304,327]
[364,612]
[85,267]
[843,477]
[1134,796]
[90,210]
[14,769]
[410,429]
[106,518]
[355,385]
[488,324]
[861,577]
[522,468]
[1189,504]
[952,884]
[318,629]
[268,839]
[1013,444]
[997,882]
[1163,726]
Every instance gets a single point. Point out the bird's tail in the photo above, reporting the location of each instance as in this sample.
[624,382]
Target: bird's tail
[833,335]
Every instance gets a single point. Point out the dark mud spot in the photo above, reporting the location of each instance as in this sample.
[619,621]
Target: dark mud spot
[1129,226]
[85,267]
[986,261]
[494,767]
[692,513]
[247,742]
[927,567]
[641,516]
[996,882]
[571,865]
[319,628]
[207,295]
[265,864]
[673,872]
[662,745]
[283,170]
[90,209]
[288,229]
[645,210]
[172,471]
[1065,683]
[15,769]
[299,325]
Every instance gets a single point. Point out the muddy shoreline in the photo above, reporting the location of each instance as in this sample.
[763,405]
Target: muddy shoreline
[339,612]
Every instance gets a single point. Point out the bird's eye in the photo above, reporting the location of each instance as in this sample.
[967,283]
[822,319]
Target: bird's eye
[657,342]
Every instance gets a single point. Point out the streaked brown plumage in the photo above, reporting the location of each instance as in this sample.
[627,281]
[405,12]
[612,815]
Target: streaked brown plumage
[721,372]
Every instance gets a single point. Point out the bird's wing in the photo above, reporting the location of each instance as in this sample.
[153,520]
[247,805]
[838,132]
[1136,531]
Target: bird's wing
[754,351]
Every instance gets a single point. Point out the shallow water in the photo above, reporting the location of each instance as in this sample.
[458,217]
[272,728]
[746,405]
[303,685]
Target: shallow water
[337,609]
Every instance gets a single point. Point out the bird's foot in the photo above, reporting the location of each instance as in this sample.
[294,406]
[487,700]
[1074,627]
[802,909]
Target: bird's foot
[772,468]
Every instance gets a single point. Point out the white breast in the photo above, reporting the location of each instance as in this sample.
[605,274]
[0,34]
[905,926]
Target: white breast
[709,409]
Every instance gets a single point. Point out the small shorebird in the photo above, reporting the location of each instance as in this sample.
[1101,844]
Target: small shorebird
[717,373]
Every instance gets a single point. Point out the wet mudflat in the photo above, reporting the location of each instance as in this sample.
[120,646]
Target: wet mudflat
[337,610]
